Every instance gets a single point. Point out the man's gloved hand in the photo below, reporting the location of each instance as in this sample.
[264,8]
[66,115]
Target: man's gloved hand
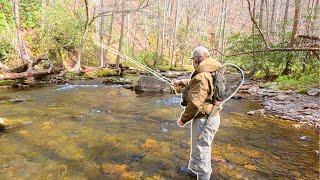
[177,82]
[180,123]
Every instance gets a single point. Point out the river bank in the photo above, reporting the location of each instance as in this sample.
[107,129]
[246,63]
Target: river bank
[285,104]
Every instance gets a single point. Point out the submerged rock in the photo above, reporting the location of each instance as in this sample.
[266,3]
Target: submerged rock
[314,92]
[259,112]
[6,124]
[136,157]
[184,170]
[114,169]
[18,100]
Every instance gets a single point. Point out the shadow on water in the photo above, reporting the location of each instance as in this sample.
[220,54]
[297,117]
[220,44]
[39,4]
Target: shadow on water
[101,132]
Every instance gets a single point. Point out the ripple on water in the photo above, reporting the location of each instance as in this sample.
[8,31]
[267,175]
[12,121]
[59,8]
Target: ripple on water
[68,87]
[173,100]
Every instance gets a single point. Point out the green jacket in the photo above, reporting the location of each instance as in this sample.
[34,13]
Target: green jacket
[201,90]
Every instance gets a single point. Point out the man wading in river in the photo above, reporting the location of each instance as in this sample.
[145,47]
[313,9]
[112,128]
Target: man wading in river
[200,94]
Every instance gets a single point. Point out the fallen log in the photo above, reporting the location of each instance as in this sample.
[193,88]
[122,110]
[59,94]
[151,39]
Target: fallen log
[30,73]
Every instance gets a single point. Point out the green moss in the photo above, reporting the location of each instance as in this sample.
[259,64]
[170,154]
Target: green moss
[7,82]
[105,72]
[300,84]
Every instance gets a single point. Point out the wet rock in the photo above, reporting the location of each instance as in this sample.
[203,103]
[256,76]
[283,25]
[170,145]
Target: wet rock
[121,81]
[259,112]
[184,170]
[99,110]
[282,97]
[311,106]
[136,157]
[128,86]
[152,84]
[183,145]
[303,138]
[18,100]
[314,92]
[298,126]
[236,97]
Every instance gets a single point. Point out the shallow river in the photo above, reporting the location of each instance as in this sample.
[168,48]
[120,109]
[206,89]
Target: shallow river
[108,132]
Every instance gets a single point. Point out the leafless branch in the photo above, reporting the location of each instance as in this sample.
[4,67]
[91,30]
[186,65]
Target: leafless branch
[257,26]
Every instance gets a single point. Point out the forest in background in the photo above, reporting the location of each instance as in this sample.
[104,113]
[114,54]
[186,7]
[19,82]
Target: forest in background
[269,39]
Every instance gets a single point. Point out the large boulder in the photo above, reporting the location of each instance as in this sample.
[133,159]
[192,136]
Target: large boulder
[152,84]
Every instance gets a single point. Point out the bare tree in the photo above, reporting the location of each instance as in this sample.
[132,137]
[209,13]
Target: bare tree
[295,28]
[90,20]
[101,33]
[273,15]
[285,17]
[110,28]
[121,36]
[174,35]
[22,50]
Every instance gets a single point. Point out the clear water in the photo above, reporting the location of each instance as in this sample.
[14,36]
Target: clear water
[108,132]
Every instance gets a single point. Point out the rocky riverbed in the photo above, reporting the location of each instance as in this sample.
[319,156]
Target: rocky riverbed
[288,104]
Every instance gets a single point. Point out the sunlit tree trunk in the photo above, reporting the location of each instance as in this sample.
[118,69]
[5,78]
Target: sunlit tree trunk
[110,29]
[158,35]
[163,28]
[174,34]
[121,36]
[101,33]
[21,46]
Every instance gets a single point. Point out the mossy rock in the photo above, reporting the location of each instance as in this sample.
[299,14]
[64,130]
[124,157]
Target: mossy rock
[74,76]
[106,72]
[7,82]
[121,81]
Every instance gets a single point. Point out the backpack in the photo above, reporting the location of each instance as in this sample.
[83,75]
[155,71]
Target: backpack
[219,85]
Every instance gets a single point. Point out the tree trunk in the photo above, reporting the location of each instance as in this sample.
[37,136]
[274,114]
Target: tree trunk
[315,18]
[158,35]
[121,37]
[174,35]
[110,29]
[273,14]
[163,28]
[267,19]
[22,50]
[297,9]
[261,14]
[223,29]
[101,33]
[285,17]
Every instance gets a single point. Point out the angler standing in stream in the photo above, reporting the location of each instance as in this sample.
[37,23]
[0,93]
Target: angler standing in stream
[199,99]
